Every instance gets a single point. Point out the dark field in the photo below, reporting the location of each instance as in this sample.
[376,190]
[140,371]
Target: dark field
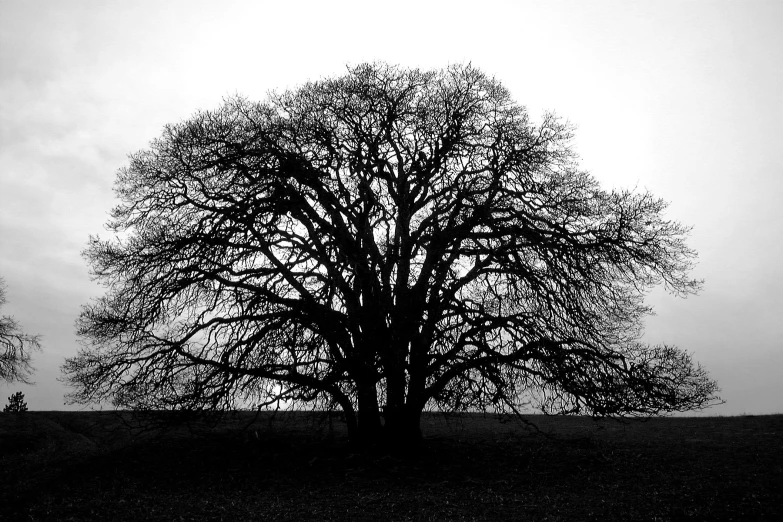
[86,466]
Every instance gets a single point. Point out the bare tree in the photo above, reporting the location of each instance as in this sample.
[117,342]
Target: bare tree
[387,241]
[16,347]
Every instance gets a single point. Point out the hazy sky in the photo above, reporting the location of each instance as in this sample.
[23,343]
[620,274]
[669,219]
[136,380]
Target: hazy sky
[682,98]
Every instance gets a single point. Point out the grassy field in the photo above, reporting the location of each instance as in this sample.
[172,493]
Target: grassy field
[296,466]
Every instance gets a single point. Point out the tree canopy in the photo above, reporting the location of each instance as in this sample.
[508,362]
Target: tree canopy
[385,242]
[16,347]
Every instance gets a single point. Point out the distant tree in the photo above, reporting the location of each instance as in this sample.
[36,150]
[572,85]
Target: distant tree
[387,241]
[16,404]
[15,347]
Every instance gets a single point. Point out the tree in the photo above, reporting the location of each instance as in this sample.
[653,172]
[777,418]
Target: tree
[386,241]
[16,404]
[15,347]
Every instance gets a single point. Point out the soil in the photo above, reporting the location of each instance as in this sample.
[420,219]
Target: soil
[300,466]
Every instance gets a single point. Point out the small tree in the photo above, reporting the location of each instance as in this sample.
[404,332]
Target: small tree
[15,347]
[387,241]
[16,403]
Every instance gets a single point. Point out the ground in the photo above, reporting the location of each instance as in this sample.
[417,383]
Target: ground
[296,466]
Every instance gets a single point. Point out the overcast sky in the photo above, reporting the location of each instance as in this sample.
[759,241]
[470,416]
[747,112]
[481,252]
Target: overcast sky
[682,98]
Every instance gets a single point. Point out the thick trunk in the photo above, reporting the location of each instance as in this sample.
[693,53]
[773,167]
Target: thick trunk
[368,428]
[394,411]
[402,428]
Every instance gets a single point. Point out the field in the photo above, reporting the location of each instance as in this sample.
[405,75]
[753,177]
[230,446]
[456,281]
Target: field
[298,466]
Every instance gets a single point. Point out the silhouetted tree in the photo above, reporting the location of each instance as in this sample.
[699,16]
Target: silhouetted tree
[15,347]
[387,241]
[16,404]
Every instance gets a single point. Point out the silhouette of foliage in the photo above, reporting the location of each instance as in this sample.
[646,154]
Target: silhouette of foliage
[387,241]
[15,347]
[16,404]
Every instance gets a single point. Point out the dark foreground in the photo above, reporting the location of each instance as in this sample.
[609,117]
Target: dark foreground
[84,466]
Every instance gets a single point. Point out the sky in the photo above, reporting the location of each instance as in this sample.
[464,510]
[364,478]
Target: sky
[682,98]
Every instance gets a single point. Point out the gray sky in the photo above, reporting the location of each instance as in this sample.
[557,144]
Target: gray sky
[682,98]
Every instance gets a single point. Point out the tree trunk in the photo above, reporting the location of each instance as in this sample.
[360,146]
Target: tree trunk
[402,428]
[369,427]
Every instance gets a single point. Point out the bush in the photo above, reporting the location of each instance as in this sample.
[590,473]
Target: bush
[16,403]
